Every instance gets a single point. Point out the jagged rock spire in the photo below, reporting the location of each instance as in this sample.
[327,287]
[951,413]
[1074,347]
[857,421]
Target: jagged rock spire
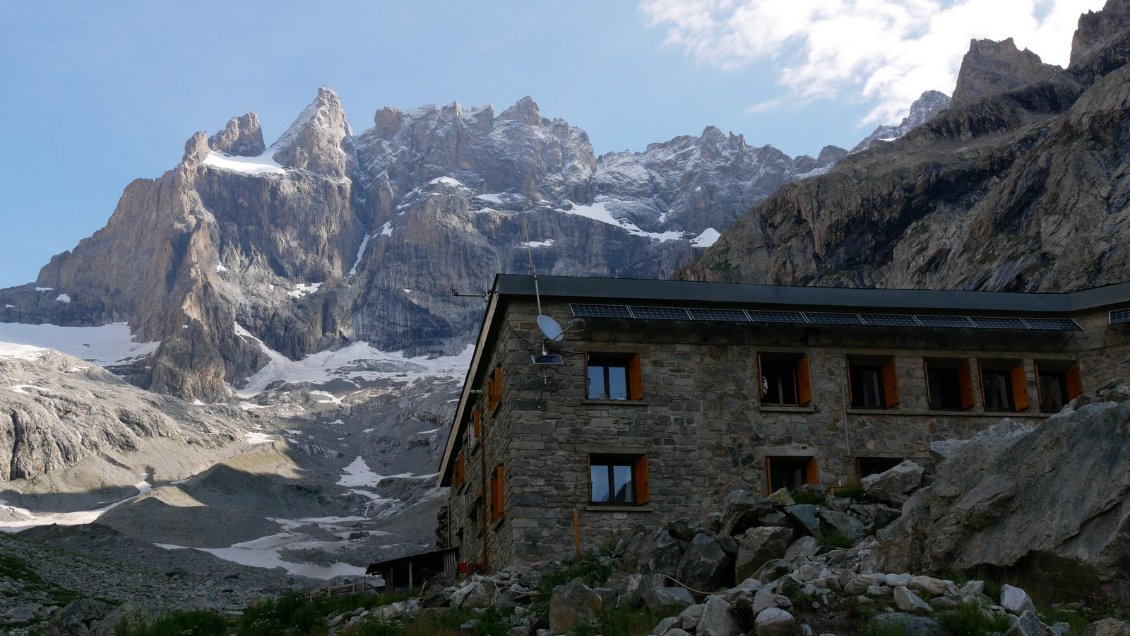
[315,141]
[242,136]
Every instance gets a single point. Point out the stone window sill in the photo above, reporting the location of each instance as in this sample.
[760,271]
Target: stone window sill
[929,413]
[600,508]
[615,402]
[784,408]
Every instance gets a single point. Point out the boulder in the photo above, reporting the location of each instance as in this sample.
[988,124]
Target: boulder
[1029,625]
[478,592]
[716,619]
[1108,627]
[805,515]
[756,546]
[909,624]
[651,551]
[1015,600]
[705,566]
[893,485]
[774,621]
[666,598]
[744,511]
[844,524]
[803,547]
[571,604]
[908,601]
[1031,500]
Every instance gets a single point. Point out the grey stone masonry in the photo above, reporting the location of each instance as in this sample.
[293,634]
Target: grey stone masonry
[700,427]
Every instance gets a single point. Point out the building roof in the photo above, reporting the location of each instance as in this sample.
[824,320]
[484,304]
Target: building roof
[687,293]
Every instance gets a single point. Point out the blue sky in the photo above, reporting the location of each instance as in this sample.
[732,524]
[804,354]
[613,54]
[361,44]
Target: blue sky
[98,94]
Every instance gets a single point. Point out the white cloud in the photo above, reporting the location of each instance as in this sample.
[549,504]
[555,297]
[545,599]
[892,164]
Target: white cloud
[886,52]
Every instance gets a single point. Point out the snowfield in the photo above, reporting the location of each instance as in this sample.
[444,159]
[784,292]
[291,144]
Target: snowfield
[105,345]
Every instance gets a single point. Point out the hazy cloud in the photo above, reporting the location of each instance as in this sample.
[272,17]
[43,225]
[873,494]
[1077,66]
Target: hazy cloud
[882,51]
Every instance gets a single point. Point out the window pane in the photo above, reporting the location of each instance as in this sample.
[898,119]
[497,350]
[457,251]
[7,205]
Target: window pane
[622,481]
[617,383]
[596,383]
[998,391]
[598,474]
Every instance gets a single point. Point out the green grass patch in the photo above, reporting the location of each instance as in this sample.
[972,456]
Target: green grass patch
[17,569]
[886,628]
[971,619]
[589,568]
[807,497]
[193,623]
[622,621]
[833,539]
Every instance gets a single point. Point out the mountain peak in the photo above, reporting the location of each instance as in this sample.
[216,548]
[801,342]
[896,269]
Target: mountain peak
[315,140]
[1099,29]
[241,137]
[991,68]
[524,110]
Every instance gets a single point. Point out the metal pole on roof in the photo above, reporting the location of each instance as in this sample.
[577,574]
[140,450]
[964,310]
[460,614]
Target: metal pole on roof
[533,269]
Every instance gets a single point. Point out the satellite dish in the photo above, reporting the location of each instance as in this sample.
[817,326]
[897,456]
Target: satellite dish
[550,329]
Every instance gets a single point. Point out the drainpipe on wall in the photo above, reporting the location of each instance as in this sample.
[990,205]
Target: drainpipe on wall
[845,403]
[483,502]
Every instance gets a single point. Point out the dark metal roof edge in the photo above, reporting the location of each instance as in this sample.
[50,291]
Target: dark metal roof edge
[796,296]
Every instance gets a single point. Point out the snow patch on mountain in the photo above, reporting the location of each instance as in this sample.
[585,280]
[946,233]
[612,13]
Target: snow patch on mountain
[358,360]
[261,164]
[105,345]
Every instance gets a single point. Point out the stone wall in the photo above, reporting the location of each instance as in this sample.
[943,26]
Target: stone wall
[700,423]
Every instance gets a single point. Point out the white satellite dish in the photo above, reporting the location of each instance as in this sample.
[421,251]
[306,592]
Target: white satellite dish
[550,329]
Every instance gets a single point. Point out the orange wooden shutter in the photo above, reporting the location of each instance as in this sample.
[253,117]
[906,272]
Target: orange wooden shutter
[635,378]
[640,480]
[851,398]
[965,384]
[494,388]
[803,385]
[1074,383]
[890,384]
[1019,388]
[812,472]
[760,379]
[768,476]
[477,422]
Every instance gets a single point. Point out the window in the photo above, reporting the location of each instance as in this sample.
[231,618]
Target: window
[459,473]
[614,377]
[1057,383]
[1004,386]
[784,379]
[494,389]
[477,422]
[790,472]
[618,480]
[871,383]
[865,466]
[949,384]
[497,493]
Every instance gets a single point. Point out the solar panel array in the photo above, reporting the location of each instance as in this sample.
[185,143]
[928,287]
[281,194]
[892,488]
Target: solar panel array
[1120,316]
[936,321]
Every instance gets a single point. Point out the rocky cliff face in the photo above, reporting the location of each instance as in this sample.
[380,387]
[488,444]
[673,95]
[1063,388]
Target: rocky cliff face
[991,68]
[327,237]
[1023,190]
[925,108]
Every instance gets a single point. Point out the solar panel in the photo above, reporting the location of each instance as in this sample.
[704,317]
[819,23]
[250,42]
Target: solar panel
[599,311]
[997,322]
[659,313]
[1053,324]
[888,320]
[832,318]
[790,317]
[721,315]
[945,322]
[1120,316]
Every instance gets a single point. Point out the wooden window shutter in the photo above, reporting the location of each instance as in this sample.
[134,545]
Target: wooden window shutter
[477,422]
[768,475]
[635,378]
[760,380]
[497,494]
[965,385]
[890,384]
[803,384]
[812,472]
[640,481]
[460,468]
[1074,383]
[1019,388]
[494,388]
[851,398]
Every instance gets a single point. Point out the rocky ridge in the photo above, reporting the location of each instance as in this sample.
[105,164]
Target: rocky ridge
[925,108]
[327,237]
[1023,190]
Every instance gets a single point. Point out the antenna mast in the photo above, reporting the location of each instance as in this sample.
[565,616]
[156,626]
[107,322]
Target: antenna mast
[533,269]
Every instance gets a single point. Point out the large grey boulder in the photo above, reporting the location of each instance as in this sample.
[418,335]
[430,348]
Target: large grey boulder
[705,565]
[1015,600]
[651,551]
[479,592]
[756,546]
[1108,627]
[572,604]
[744,511]
[716,619]
[774,621]
[893,485]
[1054,499]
